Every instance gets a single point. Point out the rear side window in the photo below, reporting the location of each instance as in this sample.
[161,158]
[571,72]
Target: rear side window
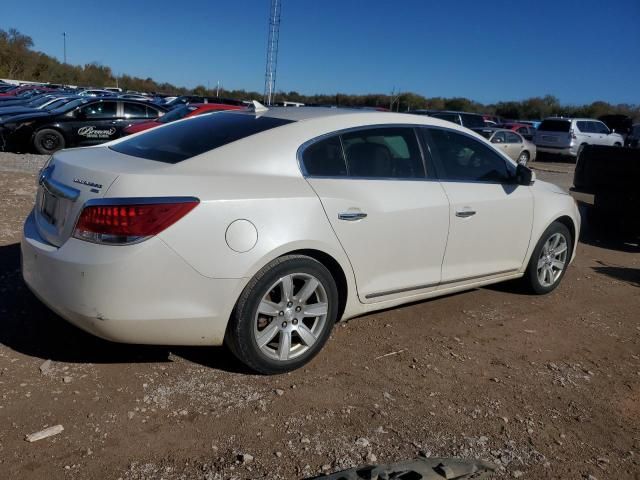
[374,153]
[449,117]
[513,138]
[383,153]
[585,127]
[325,159]
[182,140]
[472,121]
[555,126]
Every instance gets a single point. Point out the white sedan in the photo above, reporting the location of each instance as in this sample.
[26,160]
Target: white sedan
[260,229]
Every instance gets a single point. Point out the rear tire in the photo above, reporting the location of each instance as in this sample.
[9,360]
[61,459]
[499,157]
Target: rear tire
[550,259]
[48,141]
[284,316]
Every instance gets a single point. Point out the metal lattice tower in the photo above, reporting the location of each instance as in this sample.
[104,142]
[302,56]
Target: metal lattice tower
[272,51]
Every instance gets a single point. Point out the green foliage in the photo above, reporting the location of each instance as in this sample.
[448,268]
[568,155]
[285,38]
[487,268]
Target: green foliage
[19,61]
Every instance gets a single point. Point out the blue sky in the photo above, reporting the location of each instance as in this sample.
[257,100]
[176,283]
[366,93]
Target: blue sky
[486,50]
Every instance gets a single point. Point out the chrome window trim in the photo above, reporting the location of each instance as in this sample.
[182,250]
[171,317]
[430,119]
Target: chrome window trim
[339,133]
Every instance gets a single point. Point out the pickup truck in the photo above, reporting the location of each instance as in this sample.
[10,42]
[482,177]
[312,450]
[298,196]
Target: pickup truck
[607,181]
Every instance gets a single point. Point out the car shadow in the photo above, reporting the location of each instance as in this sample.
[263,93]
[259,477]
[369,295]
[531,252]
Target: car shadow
[607,237]
[628,275]
[27,326]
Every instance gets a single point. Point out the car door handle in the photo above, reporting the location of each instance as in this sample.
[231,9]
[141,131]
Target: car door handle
[352,216]
[465,213]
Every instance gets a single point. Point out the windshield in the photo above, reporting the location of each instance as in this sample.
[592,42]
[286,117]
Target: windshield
[176,114]
[69,106]
[182,140]
[555,126]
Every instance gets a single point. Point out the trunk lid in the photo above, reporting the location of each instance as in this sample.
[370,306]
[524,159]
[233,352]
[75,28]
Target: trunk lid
[71,179]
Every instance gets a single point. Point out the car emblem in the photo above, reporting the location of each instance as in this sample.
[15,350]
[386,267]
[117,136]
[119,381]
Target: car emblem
[87,183]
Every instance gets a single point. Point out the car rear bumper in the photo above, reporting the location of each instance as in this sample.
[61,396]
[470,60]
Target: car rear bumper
[571,151]
[143,293]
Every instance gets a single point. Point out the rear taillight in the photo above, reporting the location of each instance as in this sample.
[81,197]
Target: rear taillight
[572,134]
[129,221]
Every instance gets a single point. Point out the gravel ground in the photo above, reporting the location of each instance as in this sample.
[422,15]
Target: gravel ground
[545,387]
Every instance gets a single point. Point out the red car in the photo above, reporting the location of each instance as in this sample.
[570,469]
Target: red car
[527,131]
[25,88]
[178,113]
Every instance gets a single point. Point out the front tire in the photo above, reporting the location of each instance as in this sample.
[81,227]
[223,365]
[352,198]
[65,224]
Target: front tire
[284,316]
[550,259]
[523,159]
[48,141]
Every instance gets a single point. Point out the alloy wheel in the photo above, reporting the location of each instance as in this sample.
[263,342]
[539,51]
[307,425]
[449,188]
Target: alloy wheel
[291,316]
[552,260]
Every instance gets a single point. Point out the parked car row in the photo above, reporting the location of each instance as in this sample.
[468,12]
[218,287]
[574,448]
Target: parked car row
[44,120]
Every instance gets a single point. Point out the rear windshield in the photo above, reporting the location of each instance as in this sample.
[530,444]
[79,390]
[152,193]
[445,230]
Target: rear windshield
[555,126]
[181,140]
[472,121]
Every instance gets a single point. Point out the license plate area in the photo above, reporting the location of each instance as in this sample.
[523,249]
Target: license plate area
[49,206]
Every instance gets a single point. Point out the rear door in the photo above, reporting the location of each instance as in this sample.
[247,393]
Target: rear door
[514,145]
[391,218]
[490,216]
[554,133]
[133,112]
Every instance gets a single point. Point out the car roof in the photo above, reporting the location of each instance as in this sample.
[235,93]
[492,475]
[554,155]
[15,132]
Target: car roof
[297,114]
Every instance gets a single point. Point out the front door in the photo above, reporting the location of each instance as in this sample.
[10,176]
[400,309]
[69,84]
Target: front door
[94,123]
[490,216]
[391,220]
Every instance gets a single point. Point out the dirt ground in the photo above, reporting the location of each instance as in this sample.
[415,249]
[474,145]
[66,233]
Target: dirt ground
[543,386]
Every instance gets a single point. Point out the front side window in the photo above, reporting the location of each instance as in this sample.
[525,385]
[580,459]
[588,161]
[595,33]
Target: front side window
[463,158]
[391,152]
[325,159]
[600,127]
[99,110]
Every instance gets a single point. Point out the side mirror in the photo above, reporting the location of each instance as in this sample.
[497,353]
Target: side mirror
[524,175]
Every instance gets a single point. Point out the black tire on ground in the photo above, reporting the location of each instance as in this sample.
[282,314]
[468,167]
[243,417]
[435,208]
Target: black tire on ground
[580,150]
[241,337]
[47,141]
[524,158]
[531,275]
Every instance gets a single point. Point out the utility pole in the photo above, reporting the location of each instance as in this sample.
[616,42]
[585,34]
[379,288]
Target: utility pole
[272,51]
[64,43]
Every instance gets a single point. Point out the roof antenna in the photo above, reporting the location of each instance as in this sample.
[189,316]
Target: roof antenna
[257,107]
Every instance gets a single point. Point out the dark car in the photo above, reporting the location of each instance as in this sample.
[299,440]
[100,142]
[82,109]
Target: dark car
[43,103]
[633,139]
[81,122]
[186,99]
[469,120]
[620,124]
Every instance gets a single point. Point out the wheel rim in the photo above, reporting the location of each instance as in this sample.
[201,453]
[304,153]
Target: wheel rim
[552,260]
[291,316]
[523,158]
[49,142]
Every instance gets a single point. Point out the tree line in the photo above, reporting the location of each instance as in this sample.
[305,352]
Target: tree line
[18,60]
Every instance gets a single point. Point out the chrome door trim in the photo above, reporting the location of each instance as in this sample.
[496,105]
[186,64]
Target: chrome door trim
[430,285]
